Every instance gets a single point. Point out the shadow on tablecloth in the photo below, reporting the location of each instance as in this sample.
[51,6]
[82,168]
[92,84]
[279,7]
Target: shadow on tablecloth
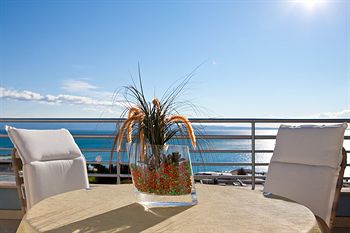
[130,218]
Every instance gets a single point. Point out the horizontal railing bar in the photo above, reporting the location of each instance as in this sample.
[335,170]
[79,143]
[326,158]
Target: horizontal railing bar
[195,176]
[221,176]
[220,151]
[193,163]
[192,151]
[194,120]
[108,136]
[5,161]
[63,120]
[7,173]
[263,151]
[108,175]
[237,137]
[6,148]
[94,136]
[228,164]
[98,150]
[266,120]
[227,176]
[201,164]
[241,137]
[123,150]
[102,162]
[102,175]
[264,137]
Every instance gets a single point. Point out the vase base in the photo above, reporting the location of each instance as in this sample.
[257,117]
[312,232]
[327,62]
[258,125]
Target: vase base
[150,205]
[157,201]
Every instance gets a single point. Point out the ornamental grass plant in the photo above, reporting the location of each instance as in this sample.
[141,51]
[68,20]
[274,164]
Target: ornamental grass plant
[150,126]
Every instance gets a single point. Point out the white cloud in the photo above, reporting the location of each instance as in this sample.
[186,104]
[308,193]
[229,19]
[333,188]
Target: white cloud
[24,95]
[77,86]
[341,114]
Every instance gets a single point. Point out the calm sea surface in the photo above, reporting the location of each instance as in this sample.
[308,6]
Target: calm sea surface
[209,129]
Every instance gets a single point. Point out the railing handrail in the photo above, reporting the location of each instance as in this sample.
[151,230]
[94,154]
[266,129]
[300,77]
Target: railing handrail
[193,120]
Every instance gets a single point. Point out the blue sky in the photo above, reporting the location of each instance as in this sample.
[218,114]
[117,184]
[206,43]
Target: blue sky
[261,58]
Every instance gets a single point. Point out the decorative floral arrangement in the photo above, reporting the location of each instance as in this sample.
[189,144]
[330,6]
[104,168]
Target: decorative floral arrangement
[151,125]
[169,179]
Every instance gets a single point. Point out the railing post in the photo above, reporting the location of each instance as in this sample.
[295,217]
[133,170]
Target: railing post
[118,168]
[253,154]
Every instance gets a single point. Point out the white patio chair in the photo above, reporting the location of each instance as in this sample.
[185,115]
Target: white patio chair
[307,167]
[52,163]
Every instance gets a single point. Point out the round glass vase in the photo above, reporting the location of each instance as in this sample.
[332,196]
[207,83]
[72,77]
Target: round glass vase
[162,175]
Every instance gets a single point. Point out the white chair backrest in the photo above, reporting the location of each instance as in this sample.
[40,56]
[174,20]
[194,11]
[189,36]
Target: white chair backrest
[305,166]
[52,162]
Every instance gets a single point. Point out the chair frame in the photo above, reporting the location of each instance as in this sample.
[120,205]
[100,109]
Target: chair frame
[17,167]
[322,224]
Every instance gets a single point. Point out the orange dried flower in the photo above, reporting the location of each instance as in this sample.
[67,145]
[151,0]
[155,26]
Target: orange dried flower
[133,111]
[188,126]
[125,125]
[156,102]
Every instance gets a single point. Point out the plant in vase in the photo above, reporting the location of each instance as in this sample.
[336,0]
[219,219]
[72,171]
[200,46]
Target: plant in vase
[161,172]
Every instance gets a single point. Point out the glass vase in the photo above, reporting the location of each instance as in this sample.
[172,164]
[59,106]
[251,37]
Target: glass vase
[162,175]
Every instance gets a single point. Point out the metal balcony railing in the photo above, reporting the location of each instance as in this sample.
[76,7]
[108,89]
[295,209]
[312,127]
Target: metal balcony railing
[252,135]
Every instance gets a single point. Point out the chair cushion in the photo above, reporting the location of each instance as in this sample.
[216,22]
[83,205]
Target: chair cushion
[311,186]
[310,144]
[43,145]
[43,179]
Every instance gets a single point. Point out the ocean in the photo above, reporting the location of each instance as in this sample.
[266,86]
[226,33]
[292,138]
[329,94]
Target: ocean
[205,129]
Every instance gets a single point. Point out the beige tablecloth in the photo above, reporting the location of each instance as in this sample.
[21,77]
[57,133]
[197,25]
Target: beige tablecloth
[112,208]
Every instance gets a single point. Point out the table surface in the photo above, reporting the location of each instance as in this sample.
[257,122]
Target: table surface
[112,208]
